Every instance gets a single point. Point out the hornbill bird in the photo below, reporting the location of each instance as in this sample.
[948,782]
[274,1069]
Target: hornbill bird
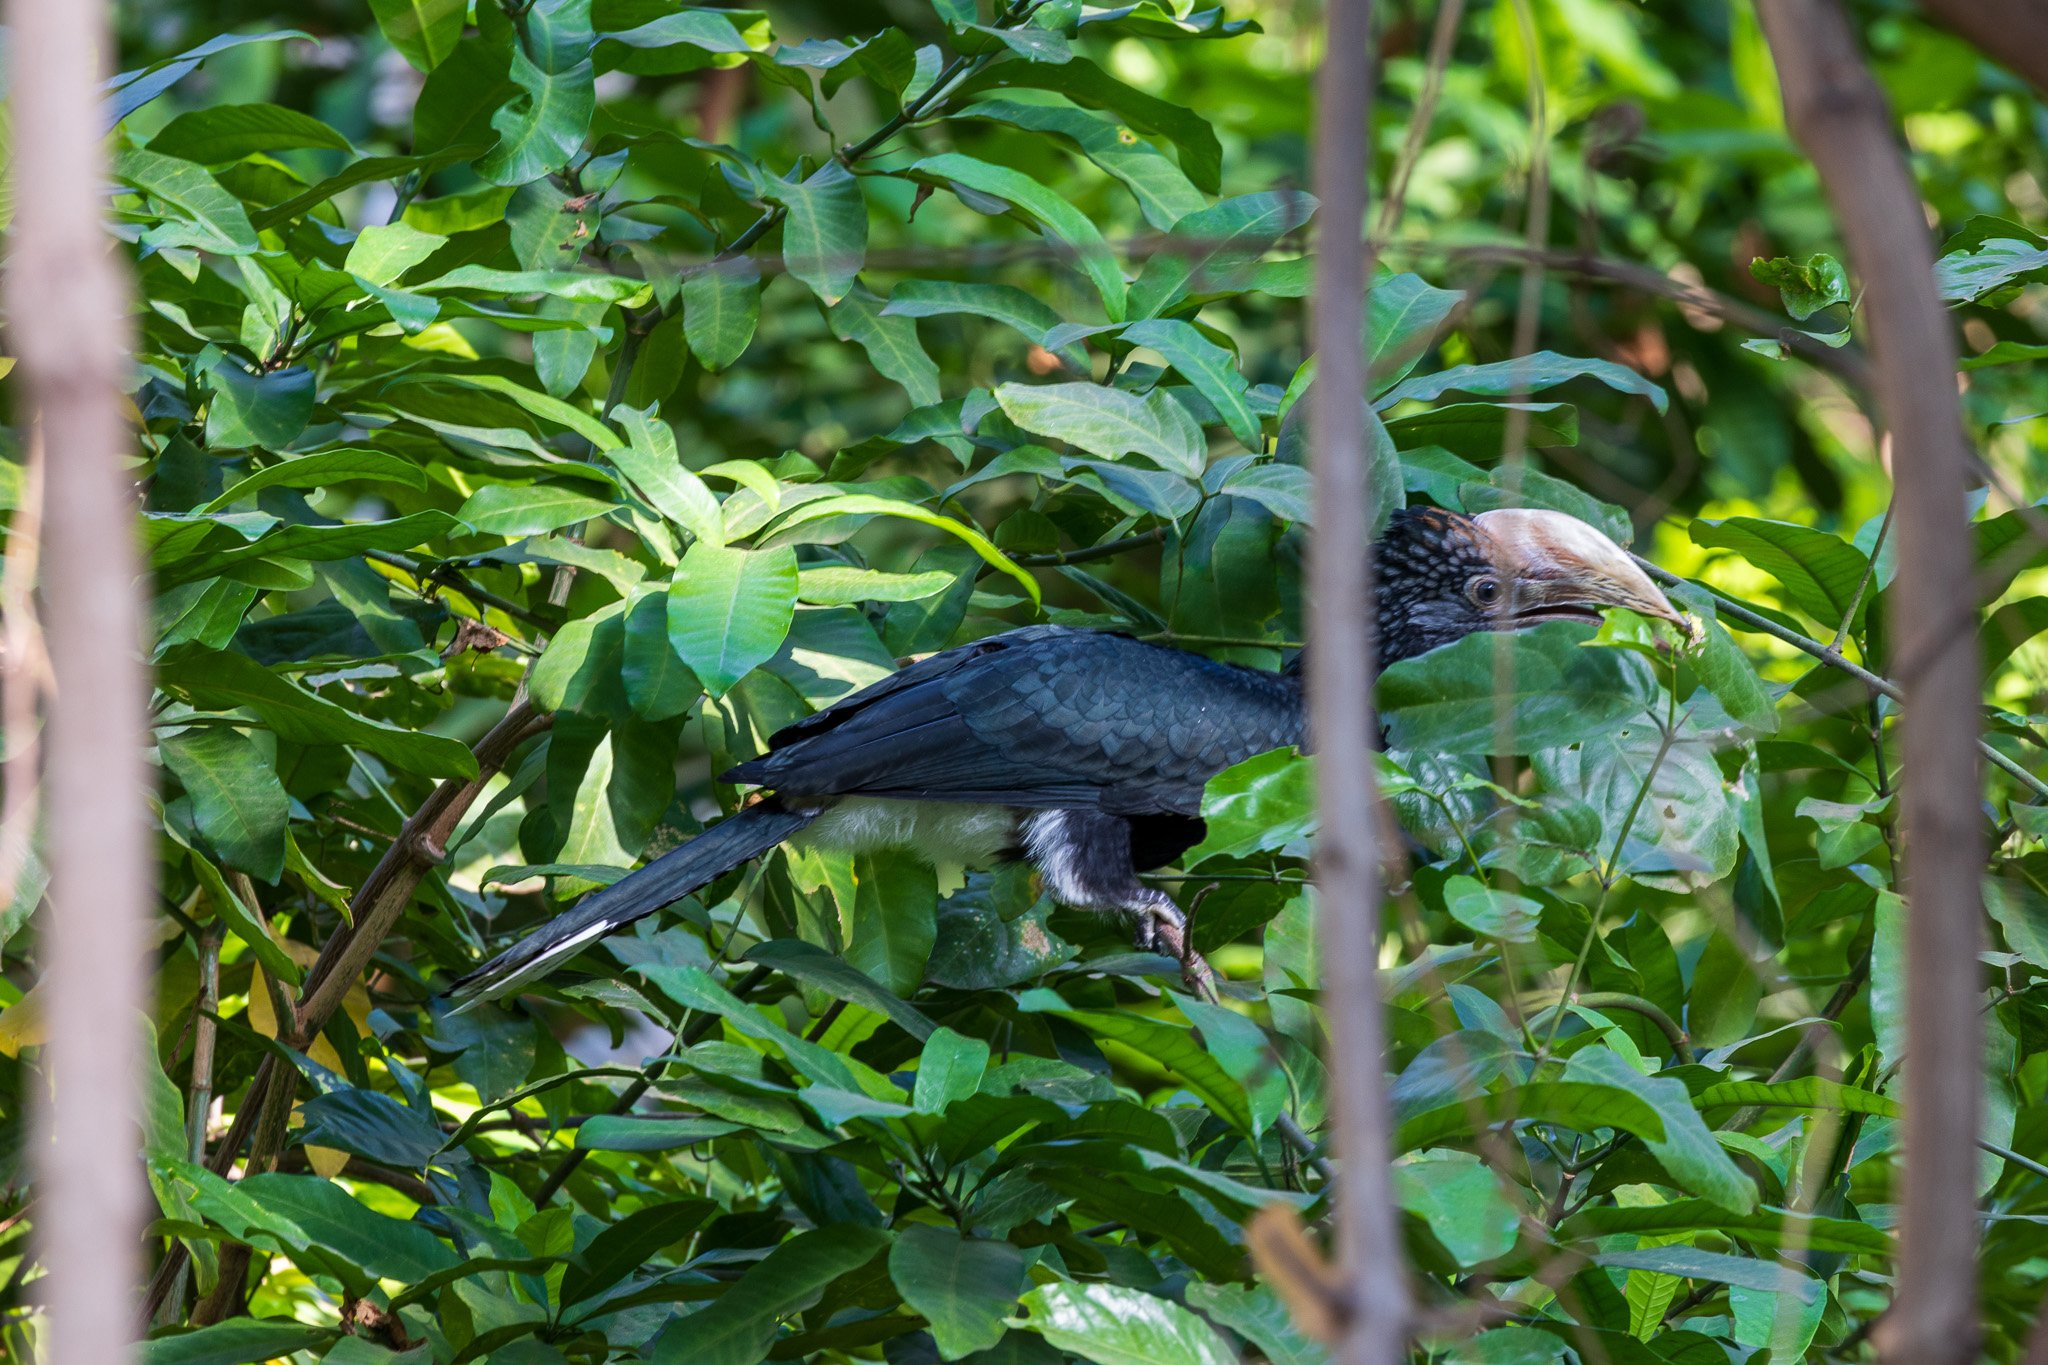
[1084,751]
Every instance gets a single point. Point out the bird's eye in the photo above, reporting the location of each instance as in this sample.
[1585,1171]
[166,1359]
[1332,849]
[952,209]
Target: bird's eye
[1484,590]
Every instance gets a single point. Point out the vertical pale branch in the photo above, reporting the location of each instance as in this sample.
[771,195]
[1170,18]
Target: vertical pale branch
[1840,118]
[1341,670]
[68,324]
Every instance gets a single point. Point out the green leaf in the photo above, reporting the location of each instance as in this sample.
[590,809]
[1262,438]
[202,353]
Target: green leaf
[1769,1226]
[268,410]
[949,1069]
[894,922]
[1819,572]
[237,802]
[1056,215]
[652,462]
[1211,369]
[1987,263]
[627,1245]
[1109,422]
[1461,1200]
[1264,803]
[225,681]
[1492,913]
[322,470]
[423,31]
[1533,373]
[1405,313]
[1580,1105]
[659,685]
[528,509]
[1723,668]
[1115,1325]
[235,1342]
[202,214]
[1081,80]
[825,236]
[1717,1267]
[721,309]
[730,609]
[1446,701]
[820,970]
[998,302]
[1687,1150]
[542,128]
[737,1327]
[229,132]
[1808,1092]
[1807,286]
[867,504]
[1163,191]
[890,341]
[963,1287]
[1684,831]
[1214,250]
[1162,1045]
[1257,1314]
[842,585]
[244,923]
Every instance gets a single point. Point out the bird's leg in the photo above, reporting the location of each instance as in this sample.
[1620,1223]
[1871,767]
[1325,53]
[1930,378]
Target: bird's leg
[1084,857]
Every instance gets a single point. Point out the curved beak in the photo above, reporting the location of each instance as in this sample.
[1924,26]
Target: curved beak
[1561,569]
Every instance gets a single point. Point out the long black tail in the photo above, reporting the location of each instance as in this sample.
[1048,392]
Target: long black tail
[669,878]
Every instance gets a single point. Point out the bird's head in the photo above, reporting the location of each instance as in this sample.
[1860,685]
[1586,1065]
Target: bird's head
[1443,576]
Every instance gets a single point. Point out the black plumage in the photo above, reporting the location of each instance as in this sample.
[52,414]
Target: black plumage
[1085,751]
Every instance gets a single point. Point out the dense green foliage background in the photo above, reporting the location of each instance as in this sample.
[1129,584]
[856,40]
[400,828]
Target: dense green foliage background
[686,368]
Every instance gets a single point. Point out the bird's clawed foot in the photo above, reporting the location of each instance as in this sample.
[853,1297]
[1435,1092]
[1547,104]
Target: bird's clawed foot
[1161,928]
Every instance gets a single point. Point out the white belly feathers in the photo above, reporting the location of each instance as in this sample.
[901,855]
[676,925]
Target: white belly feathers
[936,831]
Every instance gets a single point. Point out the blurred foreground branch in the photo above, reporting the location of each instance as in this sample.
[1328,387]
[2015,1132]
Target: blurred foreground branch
[1840,117]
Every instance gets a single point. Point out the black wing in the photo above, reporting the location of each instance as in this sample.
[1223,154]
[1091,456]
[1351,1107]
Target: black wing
[1039,717]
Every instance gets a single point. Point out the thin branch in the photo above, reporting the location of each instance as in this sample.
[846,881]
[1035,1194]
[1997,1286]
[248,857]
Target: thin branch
[1839,116]
[1374,1325]
[1441,39]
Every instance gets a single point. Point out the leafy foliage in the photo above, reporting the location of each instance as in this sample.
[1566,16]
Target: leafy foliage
[494,352]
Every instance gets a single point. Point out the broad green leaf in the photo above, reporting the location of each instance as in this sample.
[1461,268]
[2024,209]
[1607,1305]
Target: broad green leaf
[1581,1105]
[659,685]
[721,309]
[1532,373]
[949,1069]
[1264,803]
[1820,572]
[1003,303]
[244,922]
[652,462]
[1717,1267]
[205,216]
[544,406]
[1723,668]
[1214,250]
[234,1342]
[1258,1315]
[1687,1150]
[1990,265]
[563,283]
[890,341]
[842,585]
[268,410]
[515,510]
[423,31]
[542,129]
[1405,312]
[1769,1226]
[1490,912]
[812,965]
[1059,218]
[1164,193]
[1562,693]
[729,610]
[1462,1201]
[1211,369]
[894,920]
[1807,286]
[737,1327]
[226,681]
[867,504]
[963,1287]
[229,132]
[321,470]
[237,801]
[825,236]
[1808,1092]
[1685,829]
[1115,1325]
[1081,80]
[1109,422]
[627,1245]
[1163,1045]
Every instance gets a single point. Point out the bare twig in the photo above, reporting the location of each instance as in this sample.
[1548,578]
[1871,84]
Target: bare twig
[1441,39]
[1839,116]
[1374,1325]
[67,310]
